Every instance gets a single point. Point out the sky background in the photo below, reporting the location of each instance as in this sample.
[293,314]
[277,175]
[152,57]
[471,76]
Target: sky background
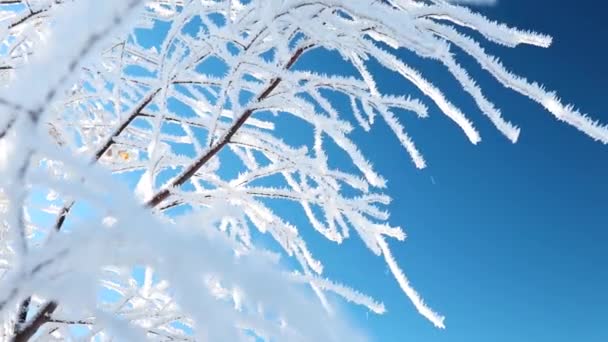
[507,241]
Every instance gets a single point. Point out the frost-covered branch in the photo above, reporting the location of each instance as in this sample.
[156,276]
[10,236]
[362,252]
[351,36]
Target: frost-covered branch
[188,101]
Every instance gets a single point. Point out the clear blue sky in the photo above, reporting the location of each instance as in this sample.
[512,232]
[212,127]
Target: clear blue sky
[508,241]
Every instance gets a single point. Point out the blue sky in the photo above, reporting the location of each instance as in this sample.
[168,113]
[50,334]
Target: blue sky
[508,241]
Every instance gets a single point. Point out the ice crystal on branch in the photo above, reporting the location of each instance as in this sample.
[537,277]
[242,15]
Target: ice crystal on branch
[187,101]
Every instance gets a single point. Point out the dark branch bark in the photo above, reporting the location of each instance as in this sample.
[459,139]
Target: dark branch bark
[22,313]
[110,141]
[219,145]
[42,317]
[26,18]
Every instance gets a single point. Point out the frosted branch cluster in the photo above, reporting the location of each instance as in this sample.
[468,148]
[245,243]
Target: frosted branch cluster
[192,103]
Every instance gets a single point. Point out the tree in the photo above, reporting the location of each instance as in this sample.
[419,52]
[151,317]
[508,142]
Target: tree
[188,100]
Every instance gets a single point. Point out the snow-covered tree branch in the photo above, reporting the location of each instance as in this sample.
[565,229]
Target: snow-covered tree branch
[183,98]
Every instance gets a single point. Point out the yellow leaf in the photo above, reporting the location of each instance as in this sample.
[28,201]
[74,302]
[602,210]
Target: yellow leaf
[124,155]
